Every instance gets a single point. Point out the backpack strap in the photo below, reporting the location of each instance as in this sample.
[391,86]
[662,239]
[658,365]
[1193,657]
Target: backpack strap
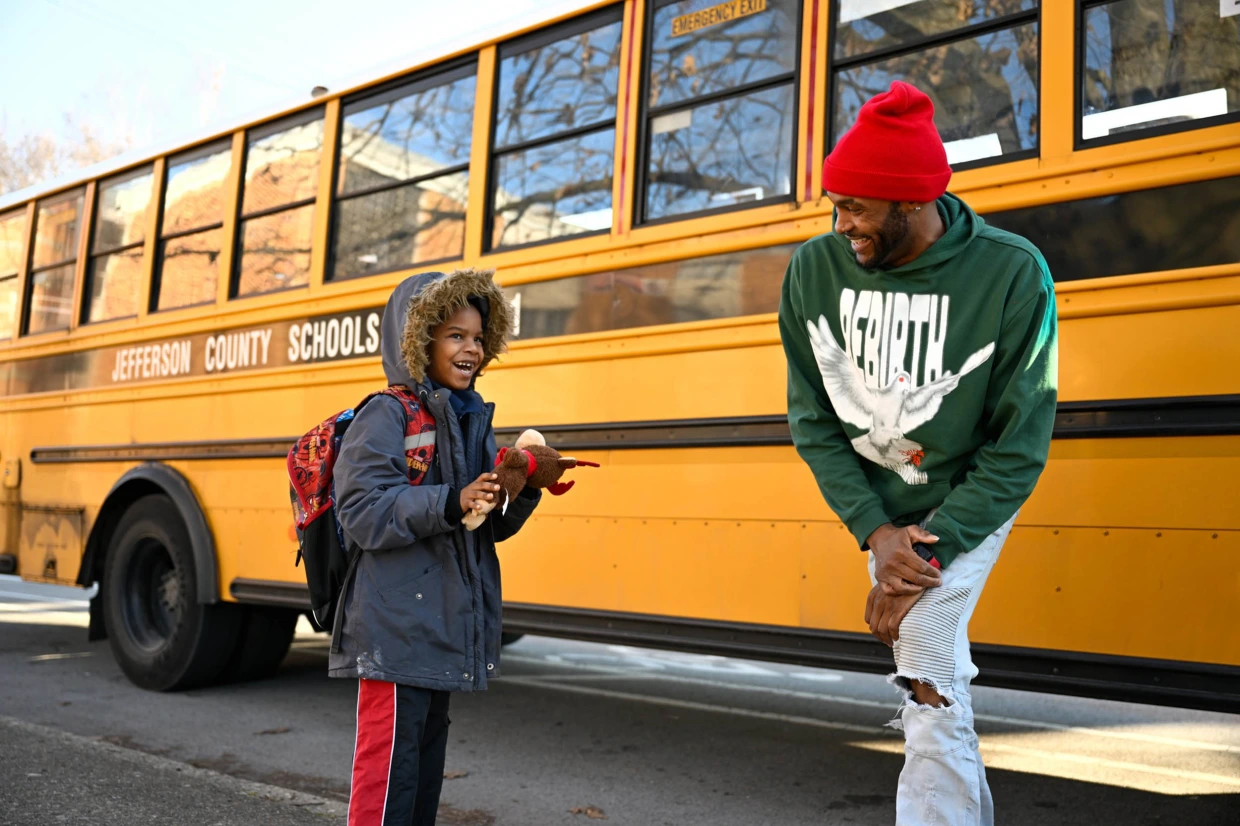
[419,432]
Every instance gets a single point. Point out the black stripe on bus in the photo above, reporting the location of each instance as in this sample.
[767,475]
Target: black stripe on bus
[1109,419]
[1129,679]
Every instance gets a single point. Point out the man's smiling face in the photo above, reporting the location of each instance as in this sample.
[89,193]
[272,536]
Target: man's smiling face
[878,230]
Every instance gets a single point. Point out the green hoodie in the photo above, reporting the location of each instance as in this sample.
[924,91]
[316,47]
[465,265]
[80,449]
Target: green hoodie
[899,406]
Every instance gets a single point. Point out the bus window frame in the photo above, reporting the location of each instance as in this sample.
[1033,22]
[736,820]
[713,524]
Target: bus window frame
[984,27]
[253,134]
[645,115]
[431,77]
[84,190]
[18,276]
[92,254]
[590,20]
[1078,97]
[215,146]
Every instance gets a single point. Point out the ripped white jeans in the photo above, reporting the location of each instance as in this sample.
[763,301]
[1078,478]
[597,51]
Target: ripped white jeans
[943,782]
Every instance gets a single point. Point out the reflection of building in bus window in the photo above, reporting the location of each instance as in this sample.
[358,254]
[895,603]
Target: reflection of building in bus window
[403,181]
[1150,64]
[277,221]
[12,235]
[115,271]
[193,214]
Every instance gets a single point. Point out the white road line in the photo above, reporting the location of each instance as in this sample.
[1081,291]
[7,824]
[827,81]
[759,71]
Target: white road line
[37,598]
[72,655]
[1177,742]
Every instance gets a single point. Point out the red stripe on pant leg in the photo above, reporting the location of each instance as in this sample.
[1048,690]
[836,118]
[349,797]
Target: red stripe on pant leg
[372,753]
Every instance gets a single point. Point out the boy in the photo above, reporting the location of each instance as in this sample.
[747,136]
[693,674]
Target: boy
[421,612]
[920,426]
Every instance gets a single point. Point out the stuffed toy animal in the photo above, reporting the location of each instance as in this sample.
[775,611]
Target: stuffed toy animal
[529,464]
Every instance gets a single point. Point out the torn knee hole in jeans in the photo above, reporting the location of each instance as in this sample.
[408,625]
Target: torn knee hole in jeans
[903,682]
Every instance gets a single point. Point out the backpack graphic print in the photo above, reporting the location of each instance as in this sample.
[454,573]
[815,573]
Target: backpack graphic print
[311,465]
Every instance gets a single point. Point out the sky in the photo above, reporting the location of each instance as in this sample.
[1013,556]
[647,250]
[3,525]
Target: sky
[156,73]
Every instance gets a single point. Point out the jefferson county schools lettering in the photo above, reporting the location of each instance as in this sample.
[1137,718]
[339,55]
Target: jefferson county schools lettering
[152,361]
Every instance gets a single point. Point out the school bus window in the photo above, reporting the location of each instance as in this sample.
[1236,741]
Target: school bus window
[190,233]
[720,104]
[555,119]
[867,26]
[984,84]
[57,224]
[403,180]
[1149,64]
[277,207]
[1114,234]
[712,287]
[12,234]
[114,273]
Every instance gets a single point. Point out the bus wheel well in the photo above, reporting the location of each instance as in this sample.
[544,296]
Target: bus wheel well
[144,480]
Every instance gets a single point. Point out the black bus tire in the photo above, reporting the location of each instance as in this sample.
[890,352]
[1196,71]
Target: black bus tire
[266,634]
[162,637]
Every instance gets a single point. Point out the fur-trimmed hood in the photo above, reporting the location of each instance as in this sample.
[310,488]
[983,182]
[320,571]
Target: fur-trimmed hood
[422,302]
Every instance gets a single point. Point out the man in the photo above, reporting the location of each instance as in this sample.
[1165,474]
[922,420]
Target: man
[921,350]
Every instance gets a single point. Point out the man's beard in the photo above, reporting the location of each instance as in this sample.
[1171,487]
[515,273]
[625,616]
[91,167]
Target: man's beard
[890,237]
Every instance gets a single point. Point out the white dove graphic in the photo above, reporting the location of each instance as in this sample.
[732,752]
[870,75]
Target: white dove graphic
[888,413]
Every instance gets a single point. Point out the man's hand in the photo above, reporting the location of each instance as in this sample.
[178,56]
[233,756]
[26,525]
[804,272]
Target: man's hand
[897,567]
[478,492]
[885,612]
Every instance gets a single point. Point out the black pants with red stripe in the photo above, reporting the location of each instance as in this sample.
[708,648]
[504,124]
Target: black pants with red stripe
[402,737]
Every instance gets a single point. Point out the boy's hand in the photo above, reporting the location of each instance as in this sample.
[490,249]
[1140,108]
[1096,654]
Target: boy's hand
[479,492]
[897,567]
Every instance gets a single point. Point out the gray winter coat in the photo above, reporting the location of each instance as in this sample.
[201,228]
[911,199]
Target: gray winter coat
[423,606]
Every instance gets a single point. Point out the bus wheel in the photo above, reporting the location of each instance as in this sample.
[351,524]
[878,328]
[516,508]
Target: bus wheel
[509,639]
[266,634]
[161,636]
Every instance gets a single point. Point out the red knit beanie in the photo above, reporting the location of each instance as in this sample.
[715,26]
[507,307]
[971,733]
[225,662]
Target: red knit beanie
[892,153]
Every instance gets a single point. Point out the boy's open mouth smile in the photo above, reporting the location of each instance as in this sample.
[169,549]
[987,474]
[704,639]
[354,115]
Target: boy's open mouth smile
[466,368]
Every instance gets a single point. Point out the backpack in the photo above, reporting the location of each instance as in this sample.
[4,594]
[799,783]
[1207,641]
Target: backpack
[311,464]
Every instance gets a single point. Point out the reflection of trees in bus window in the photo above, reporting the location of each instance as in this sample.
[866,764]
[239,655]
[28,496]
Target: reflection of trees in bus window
[563,85]
[722,154]
[407,133]
[746,49]
[114,272]
[555,132]
[189,269]
[193,196]
[720,106]
[275,251]
[403,183]
[984,91]
[12,235]
[1150,64]
[57,225]
[282,167]
[401,227]
[554,189]
[868,25]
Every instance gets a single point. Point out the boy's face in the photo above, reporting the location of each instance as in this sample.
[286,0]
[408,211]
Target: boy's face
[456,349]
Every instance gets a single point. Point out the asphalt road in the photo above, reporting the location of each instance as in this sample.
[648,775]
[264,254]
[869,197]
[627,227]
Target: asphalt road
[642,737]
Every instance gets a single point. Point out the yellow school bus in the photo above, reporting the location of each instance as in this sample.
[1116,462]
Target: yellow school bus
[638,174]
